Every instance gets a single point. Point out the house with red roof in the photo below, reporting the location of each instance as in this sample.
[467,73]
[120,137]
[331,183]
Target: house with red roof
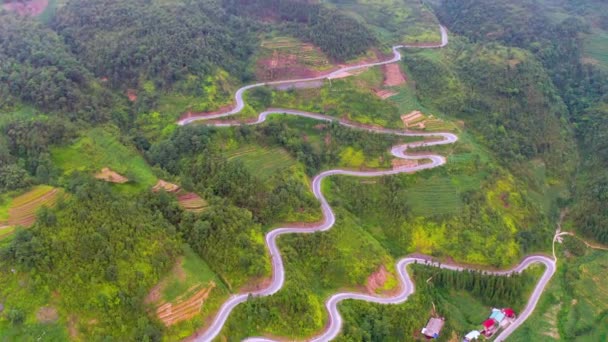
[489,327]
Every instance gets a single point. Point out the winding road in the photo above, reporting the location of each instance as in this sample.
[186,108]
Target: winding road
[406,285]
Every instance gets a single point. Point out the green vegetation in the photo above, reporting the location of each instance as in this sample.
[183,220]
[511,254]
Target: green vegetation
[597,48]
[69,250]
[99,148]
[349,98]
[262,162]
[101,83]
[395,21]
[463,308]
[574,305]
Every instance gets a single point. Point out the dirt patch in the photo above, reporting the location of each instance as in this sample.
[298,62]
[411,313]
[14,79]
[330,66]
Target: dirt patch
[384,93]
[25,214]
[401,164]
[72,328]
[393,75]
[191,114]
[256,284]
[168,187]
[184,307]
[108,175]
[31,7]
[376,280]
[192,202]
[413,119]
[47,314]
[504,197]
[132,95]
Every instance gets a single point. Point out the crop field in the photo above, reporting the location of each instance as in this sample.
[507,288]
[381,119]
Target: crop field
[263,162]
[187,294]
[434,196]
[283,57]
[98,149]
[22,211]
[192,202]
[596,47]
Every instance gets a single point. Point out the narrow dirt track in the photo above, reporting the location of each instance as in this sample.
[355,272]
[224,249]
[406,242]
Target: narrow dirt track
[406,285]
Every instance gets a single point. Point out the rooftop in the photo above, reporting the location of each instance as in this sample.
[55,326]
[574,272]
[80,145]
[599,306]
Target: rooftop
[433,327]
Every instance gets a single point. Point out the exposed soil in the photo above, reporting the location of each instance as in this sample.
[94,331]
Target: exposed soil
[393,75]
[31,7]
[47,314]
[108,175]
[72,329]
[504,197]
[181,308]
[192,202]
[376,280]
[132,95]
[384,93]
[25,215]
[190,114]
[399,164]
[168,187]
[282,66]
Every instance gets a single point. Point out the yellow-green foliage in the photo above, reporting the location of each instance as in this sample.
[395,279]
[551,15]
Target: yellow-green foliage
[350,157]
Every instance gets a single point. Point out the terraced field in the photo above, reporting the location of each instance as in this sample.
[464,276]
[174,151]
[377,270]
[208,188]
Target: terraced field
[192,202]
[284,57]
[434,196]
[263,162]
[22,209]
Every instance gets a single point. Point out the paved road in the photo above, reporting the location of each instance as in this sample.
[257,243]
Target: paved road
[399,151]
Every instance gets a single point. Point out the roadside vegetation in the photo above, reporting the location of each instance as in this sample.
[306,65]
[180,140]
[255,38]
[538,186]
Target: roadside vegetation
[574,305]
[92,91]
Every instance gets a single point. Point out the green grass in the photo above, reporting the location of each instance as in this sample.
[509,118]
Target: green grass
[434,196]
[263,162]
[99,148]
[574,306]
[6,201]
[596,47]
[195,271]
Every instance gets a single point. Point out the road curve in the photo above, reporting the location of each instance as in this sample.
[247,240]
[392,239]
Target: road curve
[399,151]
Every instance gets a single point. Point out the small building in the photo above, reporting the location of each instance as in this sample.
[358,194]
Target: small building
[489,327]
[510,313]
[497,315]
[472,336]
[433,327]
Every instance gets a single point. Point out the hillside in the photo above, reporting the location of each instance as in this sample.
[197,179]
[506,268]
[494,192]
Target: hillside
[141,193]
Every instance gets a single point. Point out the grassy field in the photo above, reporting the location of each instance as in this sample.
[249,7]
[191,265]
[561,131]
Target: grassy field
[99,148]
[573,308]
[263,162]
[596,47]
[434,196]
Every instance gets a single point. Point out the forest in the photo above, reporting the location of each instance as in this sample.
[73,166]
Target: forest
[100,84]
